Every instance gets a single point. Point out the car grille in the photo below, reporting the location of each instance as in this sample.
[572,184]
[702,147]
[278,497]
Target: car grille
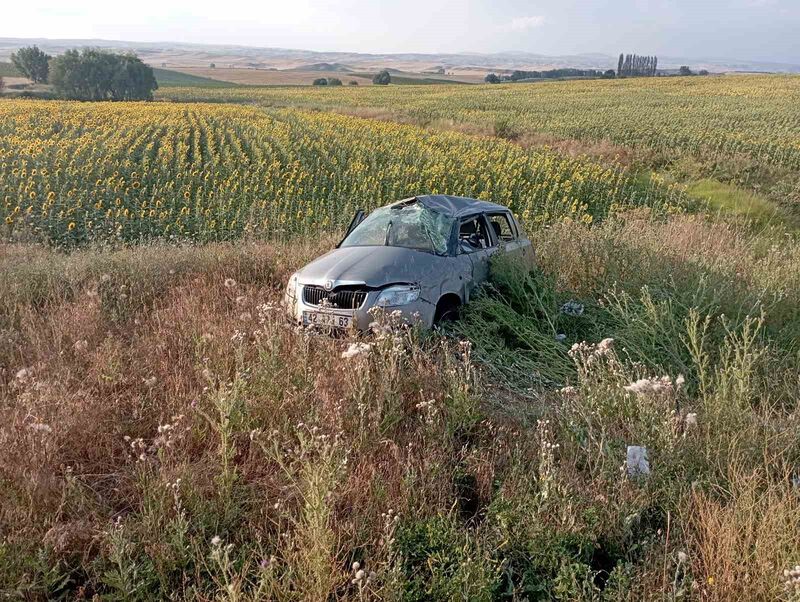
[342,299]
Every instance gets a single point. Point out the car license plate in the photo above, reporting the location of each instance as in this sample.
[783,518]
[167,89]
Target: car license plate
[318,318]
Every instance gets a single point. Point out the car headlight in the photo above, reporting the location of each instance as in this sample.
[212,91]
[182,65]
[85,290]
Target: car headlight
[291,287]
[398,295]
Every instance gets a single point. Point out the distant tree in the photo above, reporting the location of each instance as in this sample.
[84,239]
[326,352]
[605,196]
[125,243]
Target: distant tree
[702,72]
[383,78]
[334,81]
[633,65]
[684,70]
[99,75]
[213,66]
[320,81]
[2,85]
[609,74]
[492,78]
[352,82]
[32,63]
[163,65]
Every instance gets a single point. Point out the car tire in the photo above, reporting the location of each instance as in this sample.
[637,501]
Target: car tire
[447,310]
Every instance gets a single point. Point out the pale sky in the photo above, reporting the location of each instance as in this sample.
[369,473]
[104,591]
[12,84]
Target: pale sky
[766,30]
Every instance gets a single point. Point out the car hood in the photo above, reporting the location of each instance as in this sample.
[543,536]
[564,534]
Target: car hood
[372,266]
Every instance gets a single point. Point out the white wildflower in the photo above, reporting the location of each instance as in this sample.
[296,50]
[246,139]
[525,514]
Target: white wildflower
[682,557]
[605,345]
[691,419]
[81,346]
[150,382]
[229,283]
[40,427]
[679,381]
[105,278]
[241,300]
[216,541]
[646,386]
[245,316]
[24,374]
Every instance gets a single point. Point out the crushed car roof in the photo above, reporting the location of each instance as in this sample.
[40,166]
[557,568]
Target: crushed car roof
[454,206]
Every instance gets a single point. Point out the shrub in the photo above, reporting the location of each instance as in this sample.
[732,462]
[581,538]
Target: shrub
[382,78]
[320,81]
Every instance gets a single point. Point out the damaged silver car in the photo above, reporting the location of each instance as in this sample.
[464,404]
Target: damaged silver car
[423,256]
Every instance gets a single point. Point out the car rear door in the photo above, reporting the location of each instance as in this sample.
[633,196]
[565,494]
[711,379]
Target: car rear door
[509,237]
[480,245]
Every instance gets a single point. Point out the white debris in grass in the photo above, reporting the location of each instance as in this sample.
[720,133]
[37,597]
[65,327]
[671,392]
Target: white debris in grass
[40,427]
[637,462]
[357,350]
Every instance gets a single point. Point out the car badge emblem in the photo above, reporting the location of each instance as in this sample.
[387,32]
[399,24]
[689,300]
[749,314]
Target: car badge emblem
[328,285]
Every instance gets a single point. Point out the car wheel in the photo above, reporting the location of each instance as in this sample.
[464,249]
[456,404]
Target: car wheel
[447,310]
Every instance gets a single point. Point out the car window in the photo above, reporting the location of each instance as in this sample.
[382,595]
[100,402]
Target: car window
[503,229]
[475,233]
[413,226]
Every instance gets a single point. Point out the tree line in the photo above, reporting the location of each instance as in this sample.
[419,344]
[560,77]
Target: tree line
[520,75]
[633,65]
[88,74]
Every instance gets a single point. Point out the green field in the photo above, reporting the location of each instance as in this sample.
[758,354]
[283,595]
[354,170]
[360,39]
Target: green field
[740,130]
[167,78]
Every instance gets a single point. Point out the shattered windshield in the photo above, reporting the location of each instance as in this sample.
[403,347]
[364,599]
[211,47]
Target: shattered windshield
[413,226]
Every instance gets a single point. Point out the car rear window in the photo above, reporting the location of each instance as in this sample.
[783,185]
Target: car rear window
[503,229]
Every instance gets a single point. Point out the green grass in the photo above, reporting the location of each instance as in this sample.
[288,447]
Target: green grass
[411,80]
[167,78]
[8,70]
[733,200]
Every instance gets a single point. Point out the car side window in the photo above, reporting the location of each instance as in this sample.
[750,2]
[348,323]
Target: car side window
[474,232]
[503,228]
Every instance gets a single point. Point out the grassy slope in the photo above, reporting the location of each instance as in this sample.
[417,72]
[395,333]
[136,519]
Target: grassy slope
[167,78]
[8,70]
[736,201]
[151,403]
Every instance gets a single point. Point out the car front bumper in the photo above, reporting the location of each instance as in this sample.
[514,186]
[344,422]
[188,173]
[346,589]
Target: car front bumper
[419,311]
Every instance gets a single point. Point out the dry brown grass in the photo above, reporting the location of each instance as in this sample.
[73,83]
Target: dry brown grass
[147,407]
[744,536]
[267,77]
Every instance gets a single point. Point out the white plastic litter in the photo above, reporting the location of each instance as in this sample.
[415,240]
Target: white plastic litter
[638,465]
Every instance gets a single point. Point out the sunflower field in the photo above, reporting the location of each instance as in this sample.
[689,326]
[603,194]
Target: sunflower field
[74,173]
[756,117]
